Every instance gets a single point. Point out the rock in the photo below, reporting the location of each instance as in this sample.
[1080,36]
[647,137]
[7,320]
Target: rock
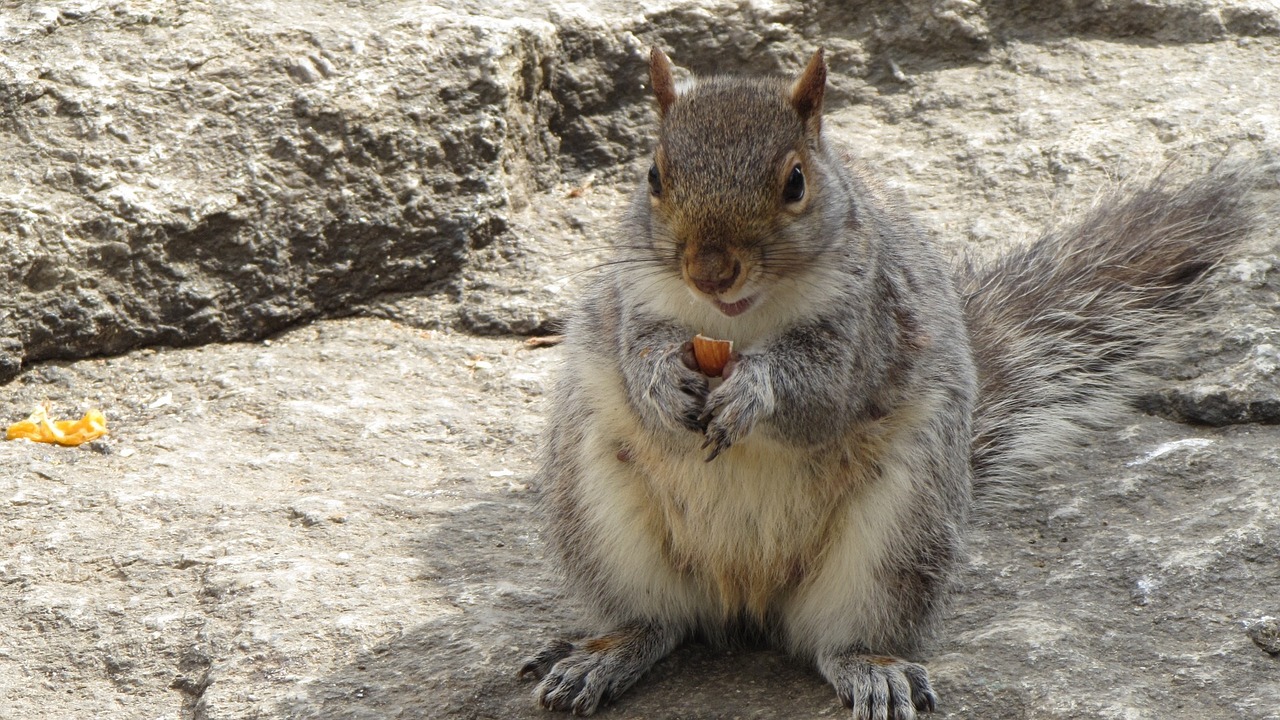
[189,174]
[1232,373]
[1265,633]
[184,175]
[344,528]
[338,521]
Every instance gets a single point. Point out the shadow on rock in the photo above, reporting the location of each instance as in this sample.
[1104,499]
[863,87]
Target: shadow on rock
[488,562]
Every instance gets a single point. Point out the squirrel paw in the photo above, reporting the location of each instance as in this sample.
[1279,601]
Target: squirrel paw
[578,678]
[876,686]
[677,391]
[733,409]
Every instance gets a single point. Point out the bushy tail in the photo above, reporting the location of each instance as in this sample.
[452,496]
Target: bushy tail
[1064,327]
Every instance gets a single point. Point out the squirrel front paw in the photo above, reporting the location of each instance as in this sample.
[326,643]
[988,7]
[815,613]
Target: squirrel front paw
[733,409]
[878,686]
[675,391]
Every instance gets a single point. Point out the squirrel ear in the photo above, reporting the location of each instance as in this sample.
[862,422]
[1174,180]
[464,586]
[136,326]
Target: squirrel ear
[806,92]
[664,86]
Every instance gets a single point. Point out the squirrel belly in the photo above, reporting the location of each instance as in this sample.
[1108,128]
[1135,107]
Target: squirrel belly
[796,541]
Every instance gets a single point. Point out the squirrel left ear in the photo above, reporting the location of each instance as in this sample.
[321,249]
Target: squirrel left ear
[660,79]
[807,91]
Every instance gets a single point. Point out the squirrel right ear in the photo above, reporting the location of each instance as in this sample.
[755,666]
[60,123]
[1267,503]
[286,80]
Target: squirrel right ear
[664,86]
[806,93]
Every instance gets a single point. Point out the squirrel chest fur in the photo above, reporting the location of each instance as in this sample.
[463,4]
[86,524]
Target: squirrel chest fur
[817,495]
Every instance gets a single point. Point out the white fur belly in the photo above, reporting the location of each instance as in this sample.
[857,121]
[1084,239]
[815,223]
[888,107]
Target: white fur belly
[742,525]
[731,536]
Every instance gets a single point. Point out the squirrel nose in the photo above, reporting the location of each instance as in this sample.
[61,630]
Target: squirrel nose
[713,278]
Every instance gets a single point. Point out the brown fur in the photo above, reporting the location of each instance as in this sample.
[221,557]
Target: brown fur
[661,80]
[807,92]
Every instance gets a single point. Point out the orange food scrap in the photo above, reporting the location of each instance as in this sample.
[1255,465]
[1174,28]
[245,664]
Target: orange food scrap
[39,428]
[712,354]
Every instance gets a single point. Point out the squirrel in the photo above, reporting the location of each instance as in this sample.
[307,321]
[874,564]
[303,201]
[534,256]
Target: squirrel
[817,497]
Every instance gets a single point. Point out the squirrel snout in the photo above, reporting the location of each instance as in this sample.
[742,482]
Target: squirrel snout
[713,273]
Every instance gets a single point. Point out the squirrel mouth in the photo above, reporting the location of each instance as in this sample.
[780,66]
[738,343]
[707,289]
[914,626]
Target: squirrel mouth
[734,309]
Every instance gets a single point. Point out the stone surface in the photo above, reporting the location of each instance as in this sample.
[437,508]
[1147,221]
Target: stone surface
[1265,633]
[337,524]
[183,173]
[336,521]
[1232,374]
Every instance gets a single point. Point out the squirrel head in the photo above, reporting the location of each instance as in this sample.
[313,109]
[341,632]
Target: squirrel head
[735,178]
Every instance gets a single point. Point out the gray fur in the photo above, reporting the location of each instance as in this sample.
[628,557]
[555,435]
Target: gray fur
[1063,328]
[579,679]
[856,374]
[879,687]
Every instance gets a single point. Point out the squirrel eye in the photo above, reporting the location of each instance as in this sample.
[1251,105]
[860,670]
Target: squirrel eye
[655,180]
[794,189]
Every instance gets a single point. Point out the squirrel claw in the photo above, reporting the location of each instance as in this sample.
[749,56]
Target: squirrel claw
[696,420]
[718,441]
[580,678]
[546,658]
[674,395]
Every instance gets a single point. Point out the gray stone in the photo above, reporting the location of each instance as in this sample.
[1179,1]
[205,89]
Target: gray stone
[184,174]
[1265,633]
[1232,372]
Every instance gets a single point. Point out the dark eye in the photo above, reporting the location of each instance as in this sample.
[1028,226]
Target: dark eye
[655,180]
[794,190]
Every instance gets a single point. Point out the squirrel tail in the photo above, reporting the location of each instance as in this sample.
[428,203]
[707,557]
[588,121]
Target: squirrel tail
[1063,328]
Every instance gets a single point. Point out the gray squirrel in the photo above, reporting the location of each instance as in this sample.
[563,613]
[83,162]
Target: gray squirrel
[817,497]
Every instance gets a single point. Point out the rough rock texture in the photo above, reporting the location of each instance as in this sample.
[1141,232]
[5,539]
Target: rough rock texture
[1232,373]
[183,173]
[336,522]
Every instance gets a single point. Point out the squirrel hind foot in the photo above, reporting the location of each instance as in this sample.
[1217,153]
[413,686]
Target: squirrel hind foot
[580,678]
[879,686]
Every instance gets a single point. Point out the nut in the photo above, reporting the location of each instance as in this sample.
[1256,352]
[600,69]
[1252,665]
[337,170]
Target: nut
[712,354]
